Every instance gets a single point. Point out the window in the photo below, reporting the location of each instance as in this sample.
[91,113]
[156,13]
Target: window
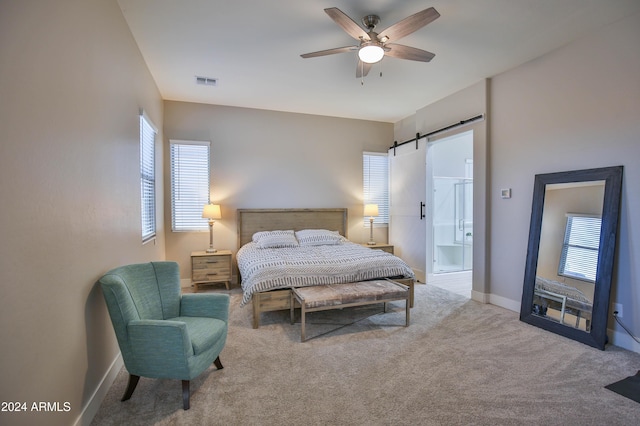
[189,185]
[579,257]
[147,178]
[375,184]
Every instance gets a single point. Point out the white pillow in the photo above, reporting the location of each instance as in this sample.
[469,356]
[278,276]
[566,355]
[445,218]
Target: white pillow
[275,239]
[319,237]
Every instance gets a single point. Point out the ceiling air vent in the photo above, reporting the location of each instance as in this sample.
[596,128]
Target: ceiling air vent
[206,81]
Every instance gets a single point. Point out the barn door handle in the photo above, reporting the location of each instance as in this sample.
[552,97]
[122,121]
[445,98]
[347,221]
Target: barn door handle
[422,206]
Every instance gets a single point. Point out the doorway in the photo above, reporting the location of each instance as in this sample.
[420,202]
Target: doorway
[450,191]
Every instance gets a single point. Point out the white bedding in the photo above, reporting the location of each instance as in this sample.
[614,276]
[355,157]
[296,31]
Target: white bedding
[264,269]
[575,298]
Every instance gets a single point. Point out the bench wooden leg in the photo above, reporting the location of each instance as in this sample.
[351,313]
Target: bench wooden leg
[411,294]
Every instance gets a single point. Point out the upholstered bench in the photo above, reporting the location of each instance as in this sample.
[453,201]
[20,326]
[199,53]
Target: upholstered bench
[336,296]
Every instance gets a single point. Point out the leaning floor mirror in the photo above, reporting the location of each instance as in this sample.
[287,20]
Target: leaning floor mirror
[570,255]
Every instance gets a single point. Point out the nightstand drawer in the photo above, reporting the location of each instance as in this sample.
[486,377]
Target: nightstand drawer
[206,275]
[210,262]
[211,267]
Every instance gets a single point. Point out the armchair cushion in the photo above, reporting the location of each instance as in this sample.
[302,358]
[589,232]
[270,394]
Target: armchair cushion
[203,332]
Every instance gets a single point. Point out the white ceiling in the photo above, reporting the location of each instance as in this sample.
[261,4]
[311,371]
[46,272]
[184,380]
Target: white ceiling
[253,48]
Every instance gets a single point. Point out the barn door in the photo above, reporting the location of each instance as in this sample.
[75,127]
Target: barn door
[407,185]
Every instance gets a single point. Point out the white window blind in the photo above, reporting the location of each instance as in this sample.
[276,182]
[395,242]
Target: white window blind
[579,257]
[189,184]
[375,178]
[147,178]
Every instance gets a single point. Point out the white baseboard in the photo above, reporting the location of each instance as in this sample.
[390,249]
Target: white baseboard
[503,302]
[480,297]
[91,407]
[492,299]
[623,340]
[617,338]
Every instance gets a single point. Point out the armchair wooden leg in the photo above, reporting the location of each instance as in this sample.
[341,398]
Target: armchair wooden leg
[185,394]
[133,382]
[185,386]
[218,364]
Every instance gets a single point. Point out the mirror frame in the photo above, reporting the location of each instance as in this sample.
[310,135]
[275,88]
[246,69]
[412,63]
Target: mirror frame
[597,336]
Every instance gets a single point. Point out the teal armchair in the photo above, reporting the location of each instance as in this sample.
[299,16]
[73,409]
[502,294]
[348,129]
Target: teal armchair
[161,333]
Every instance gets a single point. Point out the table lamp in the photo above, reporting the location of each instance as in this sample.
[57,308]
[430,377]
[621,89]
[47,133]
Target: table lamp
[211,212]
[371,210]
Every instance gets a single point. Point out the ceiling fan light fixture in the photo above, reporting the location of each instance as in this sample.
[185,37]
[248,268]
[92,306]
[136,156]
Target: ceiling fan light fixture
[372,46]
[371,53]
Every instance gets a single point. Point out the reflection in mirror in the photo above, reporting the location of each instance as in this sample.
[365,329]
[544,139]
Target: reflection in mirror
[570,254]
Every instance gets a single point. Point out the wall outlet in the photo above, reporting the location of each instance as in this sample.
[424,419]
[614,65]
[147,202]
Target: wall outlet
[617,307]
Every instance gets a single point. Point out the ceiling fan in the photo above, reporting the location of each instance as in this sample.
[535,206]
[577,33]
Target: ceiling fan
[374,46]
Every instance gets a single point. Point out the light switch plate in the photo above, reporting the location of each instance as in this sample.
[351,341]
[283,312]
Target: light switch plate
[505,193]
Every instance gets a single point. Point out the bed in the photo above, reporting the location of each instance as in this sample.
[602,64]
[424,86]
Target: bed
[269,273]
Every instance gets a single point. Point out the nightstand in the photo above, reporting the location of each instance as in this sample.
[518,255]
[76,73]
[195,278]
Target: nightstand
[209,268]
[389,249]
[380,246]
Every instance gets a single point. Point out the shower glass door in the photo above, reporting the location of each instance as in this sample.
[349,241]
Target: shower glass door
[452,224]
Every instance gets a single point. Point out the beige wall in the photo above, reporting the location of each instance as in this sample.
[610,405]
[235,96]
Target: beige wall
[574,108]
[71,83]
[268,159]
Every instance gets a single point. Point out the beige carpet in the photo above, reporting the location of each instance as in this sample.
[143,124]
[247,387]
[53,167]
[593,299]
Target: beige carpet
[459,363]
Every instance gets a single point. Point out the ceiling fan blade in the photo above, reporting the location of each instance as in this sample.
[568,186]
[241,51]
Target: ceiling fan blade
[362,69]
[329,51]
[401,51]
[347,24]
[409,24]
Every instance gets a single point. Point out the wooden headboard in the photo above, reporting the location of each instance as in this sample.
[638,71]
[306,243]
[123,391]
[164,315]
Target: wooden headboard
[251,221]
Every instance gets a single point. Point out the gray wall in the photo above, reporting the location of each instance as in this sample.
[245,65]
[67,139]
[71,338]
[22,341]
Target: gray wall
[575,108]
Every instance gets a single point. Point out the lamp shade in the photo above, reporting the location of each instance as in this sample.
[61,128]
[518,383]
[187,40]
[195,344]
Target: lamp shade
[371,53]
[211,211]
[371,210]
